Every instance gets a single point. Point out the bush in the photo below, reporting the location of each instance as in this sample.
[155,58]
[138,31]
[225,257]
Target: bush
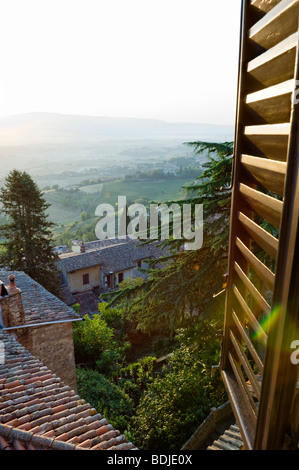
[175,404]
[107,398]
[91,337]
[137,376]
[109,363]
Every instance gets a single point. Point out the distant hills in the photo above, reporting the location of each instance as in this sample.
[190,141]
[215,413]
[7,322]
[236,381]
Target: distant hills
[52,128]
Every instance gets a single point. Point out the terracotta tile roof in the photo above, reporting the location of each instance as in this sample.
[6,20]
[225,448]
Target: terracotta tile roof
[113,258]
[39,304]
[38,411]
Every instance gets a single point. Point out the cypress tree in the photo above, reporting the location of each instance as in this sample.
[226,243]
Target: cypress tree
[27,235]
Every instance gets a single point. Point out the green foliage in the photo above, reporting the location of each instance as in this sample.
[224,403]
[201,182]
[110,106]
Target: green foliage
[213,190]
[91,338]
[100,341]
[181,292]
[109,363]
[107,398]
[137,376]
[158,175]
[27,233]
[177,402]
[114,318]
[167,406]
[76,308]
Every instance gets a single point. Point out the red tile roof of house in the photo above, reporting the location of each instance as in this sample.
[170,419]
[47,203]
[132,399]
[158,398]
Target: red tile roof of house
[38,411]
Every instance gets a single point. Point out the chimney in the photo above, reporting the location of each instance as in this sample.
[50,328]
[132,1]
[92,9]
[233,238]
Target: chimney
[76,245]
[82,248]
[11,305]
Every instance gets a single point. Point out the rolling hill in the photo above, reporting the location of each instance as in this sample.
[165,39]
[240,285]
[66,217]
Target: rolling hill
[45,128]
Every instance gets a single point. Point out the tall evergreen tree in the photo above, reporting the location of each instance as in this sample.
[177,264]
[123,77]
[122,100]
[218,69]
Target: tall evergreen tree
[182,292]
[27,234]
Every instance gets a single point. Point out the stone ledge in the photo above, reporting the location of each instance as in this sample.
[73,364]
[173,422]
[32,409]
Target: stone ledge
[216,417]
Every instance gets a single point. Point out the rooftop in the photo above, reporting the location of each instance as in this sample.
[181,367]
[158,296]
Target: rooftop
[112,258]
[40,306]
[75,261]
[39,412]
[104,243]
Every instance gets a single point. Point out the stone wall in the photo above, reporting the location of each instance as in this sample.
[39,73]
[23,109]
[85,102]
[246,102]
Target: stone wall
[216,417]
[53,346]
[75,279]
[12,310]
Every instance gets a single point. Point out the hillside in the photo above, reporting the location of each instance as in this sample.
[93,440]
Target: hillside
[45,128]
[73,210]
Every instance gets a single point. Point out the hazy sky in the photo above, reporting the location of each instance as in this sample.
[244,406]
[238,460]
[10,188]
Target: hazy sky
[174,60]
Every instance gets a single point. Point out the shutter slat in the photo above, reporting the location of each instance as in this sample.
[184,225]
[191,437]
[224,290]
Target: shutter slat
[272,104]
[277,64]
[282,129]
[266,206]
[253,290]
[244,361]
[248,399]
[261,270]
[269,140]
[269,173]
[264,5]
[263,238]
[251,318]
[248,342]
[276,25]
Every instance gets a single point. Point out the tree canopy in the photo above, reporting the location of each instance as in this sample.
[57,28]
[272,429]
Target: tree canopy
[169,403]
[27,238]
[182,291]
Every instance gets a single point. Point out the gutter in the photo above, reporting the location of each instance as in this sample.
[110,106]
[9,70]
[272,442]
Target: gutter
[40,324]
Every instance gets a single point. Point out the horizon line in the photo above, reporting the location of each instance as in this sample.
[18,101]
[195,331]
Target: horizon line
[57,113]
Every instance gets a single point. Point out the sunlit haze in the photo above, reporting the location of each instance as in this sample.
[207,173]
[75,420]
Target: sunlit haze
[162,59]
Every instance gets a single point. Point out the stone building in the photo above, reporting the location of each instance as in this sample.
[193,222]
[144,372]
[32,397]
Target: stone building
[38,411]
[103,265]
[41,322]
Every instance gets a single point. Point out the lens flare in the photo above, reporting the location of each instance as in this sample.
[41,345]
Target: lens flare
[267,323]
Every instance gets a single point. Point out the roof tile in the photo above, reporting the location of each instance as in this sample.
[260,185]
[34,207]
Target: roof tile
[39,304]
[44,413]
[116,257]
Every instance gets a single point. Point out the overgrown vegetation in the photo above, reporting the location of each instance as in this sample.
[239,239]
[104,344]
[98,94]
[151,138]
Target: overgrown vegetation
[160,407]
[174,310]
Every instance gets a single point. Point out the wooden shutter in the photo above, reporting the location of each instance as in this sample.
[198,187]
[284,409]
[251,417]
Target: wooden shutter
[261,317]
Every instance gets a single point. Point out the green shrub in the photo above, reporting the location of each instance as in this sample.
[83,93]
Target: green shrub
[176,403]
[91,337]
[107,398]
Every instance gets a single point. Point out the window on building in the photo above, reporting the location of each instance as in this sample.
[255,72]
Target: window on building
[120,277]
[85,279]
[139,264]
[109,280]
